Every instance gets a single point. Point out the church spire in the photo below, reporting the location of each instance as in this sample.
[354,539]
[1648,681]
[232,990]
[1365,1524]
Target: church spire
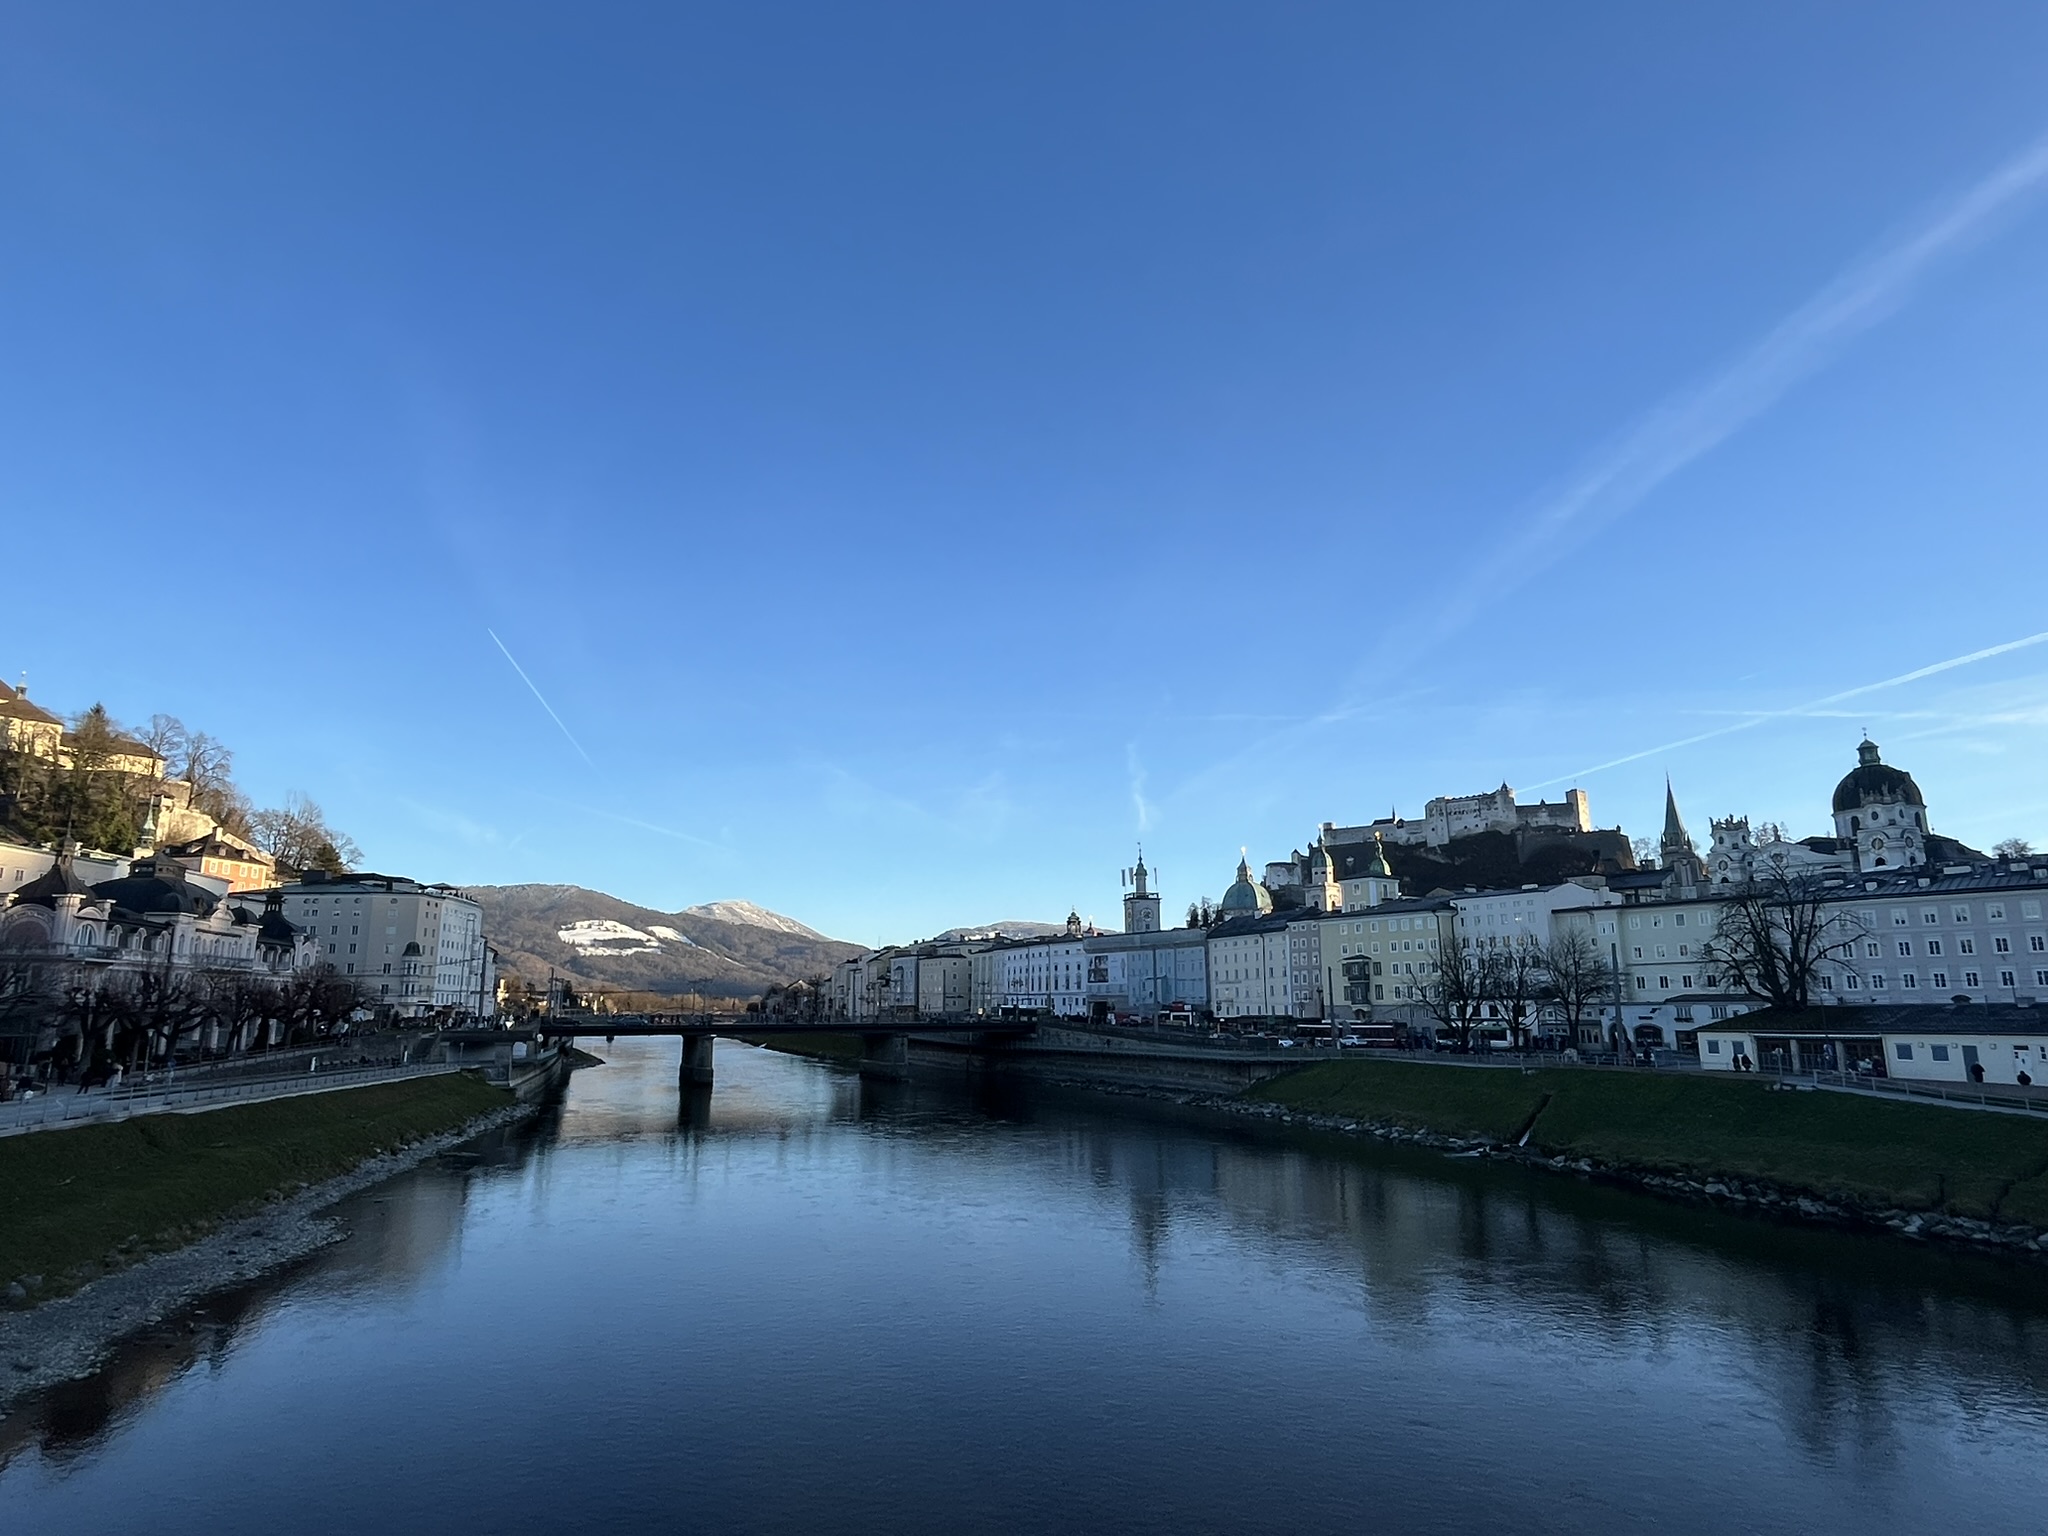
[1675,839]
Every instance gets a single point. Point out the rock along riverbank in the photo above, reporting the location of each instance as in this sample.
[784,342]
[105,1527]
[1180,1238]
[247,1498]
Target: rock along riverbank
[67,1337]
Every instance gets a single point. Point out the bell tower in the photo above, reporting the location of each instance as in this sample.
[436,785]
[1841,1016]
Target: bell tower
[1141,903]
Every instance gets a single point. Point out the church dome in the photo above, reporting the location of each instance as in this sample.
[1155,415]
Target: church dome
[1246,897]
[1871,781]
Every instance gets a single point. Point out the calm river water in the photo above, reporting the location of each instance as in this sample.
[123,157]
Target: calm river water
[823,1305]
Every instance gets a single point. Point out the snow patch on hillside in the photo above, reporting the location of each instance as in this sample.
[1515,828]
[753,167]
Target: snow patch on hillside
[661,931]
[604,936]
[747,912]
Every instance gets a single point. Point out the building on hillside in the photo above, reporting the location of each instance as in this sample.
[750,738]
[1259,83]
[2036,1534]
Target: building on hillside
[244,866]
[415,949]
[1985,1043]
[1453,816]
[28,727]
[1145,973]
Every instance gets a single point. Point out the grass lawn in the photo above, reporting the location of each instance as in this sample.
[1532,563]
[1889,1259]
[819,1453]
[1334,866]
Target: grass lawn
[1829,1144]
[77,1203]
[1420,1095]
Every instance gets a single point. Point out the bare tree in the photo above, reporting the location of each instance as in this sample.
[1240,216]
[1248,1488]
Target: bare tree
[1773,936]
[1578,975]
[2012,848]
[243,1003]
[1511,978]
[297,835]
[206,765]
[1456,992]
[165,736]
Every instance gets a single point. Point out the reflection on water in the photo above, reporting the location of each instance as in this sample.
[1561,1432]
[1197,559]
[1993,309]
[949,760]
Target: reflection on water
[801,1301]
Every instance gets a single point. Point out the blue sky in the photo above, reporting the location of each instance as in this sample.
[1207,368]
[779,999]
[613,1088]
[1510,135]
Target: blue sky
[918,450]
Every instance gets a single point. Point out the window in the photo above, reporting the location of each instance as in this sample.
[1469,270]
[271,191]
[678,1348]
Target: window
[1713,1047]
[1678,921]
[1995,912]
[1905,946]
[1827,983]
[1635,920]
[2041,978]
[2030,909]
[1930,916]
[2037,942]
[2002,944]
[1938,1052]
[1663,983]
[1877,981]
[1852,982]
[1966,945]
[1872,951]
[1641,983]
[2005,978]
[1898,917]
[1960,914]
[1685,982]
[1909,980]
[1639,951]
[1660,951]
[1934,946]
[1939,980]
[1903,1051]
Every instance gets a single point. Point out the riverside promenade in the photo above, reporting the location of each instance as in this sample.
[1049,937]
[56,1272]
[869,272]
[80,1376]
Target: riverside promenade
[67,1107]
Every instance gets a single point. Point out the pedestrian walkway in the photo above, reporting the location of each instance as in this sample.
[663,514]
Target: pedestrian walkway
[66,1106]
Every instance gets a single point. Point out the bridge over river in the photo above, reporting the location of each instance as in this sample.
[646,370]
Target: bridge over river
[889,1048]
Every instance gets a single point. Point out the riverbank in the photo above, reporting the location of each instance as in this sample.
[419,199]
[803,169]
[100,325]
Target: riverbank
[1920,1170]
[106,1229]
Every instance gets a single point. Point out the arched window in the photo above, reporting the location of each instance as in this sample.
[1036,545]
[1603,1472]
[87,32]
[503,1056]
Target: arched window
[1855,823]
[87,935]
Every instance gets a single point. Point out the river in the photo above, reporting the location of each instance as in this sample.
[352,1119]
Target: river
[817,1304]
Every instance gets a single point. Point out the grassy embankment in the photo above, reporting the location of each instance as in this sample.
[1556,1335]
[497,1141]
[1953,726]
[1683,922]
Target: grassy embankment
[1831,1145]
[80,1203]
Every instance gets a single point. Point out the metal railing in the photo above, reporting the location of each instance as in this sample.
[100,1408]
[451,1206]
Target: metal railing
[2004,1096]
[67,1106]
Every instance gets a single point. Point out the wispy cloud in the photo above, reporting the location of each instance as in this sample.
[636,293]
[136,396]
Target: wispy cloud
[544,704]
[629,821]
[1700,418]
[1136,771]
[1763,717]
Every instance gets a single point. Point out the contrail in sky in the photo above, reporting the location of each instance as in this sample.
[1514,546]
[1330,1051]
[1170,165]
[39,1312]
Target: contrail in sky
[1779,714]
[544,704]
[1696,421]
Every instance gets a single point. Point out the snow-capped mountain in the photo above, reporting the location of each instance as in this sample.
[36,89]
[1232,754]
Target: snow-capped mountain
[546,929]
[747,912]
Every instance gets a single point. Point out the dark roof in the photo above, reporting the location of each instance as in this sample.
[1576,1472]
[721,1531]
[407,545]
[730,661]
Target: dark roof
[154,887]
[58,880]
[1873,780]
[1921,1019]
[15,705]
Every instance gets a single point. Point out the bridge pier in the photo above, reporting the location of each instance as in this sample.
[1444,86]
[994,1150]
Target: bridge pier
[886,1057]
[696,1064]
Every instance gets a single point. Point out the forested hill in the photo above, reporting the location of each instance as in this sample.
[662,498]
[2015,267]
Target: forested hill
[613,945]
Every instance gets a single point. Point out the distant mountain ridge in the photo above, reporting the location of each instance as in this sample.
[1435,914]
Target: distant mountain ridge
[1008,928]
[607,943]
